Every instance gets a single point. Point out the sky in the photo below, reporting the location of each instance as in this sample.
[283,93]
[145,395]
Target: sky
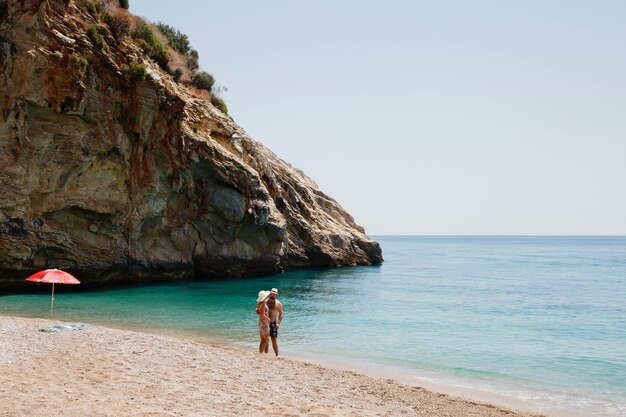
[431,117]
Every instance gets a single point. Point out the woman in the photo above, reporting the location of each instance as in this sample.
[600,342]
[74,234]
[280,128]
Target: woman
[264,320]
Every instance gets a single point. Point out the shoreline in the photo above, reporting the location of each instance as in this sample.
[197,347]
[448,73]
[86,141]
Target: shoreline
[401,376]
[465,389]
[166,375]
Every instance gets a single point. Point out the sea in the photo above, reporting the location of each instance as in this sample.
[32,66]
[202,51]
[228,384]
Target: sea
[534,323]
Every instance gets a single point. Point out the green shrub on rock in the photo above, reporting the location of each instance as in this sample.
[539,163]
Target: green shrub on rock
[152,45]
[124,4]
[220,104]
[161,57]
[93,7]
[135,69]
[78,61]
[178,73]
[145,33]
[203,80]
[177,40]
[96,38]
[144,46]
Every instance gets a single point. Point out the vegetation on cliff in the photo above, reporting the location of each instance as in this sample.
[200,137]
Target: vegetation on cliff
[164,44]
[152,46]
[203,80]
[96,38]
[135,69]
[177,40]
[79,61]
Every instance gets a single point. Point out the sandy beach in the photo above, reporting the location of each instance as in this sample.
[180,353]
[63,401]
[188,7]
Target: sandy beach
[100,371]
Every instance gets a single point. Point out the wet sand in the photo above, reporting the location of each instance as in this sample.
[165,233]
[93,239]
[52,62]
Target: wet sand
[108,372]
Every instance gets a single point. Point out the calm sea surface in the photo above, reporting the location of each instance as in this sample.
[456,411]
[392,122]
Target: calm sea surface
[534,322]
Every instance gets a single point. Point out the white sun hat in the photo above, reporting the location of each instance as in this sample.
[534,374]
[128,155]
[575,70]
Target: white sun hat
[262,295]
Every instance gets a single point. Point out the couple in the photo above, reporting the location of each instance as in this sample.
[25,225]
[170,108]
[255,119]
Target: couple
[270,312]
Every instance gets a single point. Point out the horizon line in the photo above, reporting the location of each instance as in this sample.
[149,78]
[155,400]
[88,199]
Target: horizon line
[486,235]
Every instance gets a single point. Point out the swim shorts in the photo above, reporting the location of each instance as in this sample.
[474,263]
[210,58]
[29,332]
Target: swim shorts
[273,329]
[264,329]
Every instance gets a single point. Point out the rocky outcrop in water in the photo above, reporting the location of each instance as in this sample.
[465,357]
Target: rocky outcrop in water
[123,179]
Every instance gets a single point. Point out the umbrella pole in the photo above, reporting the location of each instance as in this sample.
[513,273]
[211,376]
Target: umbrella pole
[52,302]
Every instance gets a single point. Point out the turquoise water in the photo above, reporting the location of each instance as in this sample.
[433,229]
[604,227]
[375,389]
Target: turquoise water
[539,322]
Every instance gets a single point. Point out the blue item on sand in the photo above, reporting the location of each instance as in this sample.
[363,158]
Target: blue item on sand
[62,327]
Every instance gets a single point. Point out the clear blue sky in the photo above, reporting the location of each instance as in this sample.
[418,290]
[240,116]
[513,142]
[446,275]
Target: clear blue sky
[431,117]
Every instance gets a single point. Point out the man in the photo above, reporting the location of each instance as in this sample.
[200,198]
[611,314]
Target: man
[276,316]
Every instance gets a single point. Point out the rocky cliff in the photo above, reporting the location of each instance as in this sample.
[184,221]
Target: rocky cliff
[120,178]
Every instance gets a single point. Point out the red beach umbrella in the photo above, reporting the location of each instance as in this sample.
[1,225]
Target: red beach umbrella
[53,276]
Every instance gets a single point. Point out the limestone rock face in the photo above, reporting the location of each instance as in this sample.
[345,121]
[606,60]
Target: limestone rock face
[124,180]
